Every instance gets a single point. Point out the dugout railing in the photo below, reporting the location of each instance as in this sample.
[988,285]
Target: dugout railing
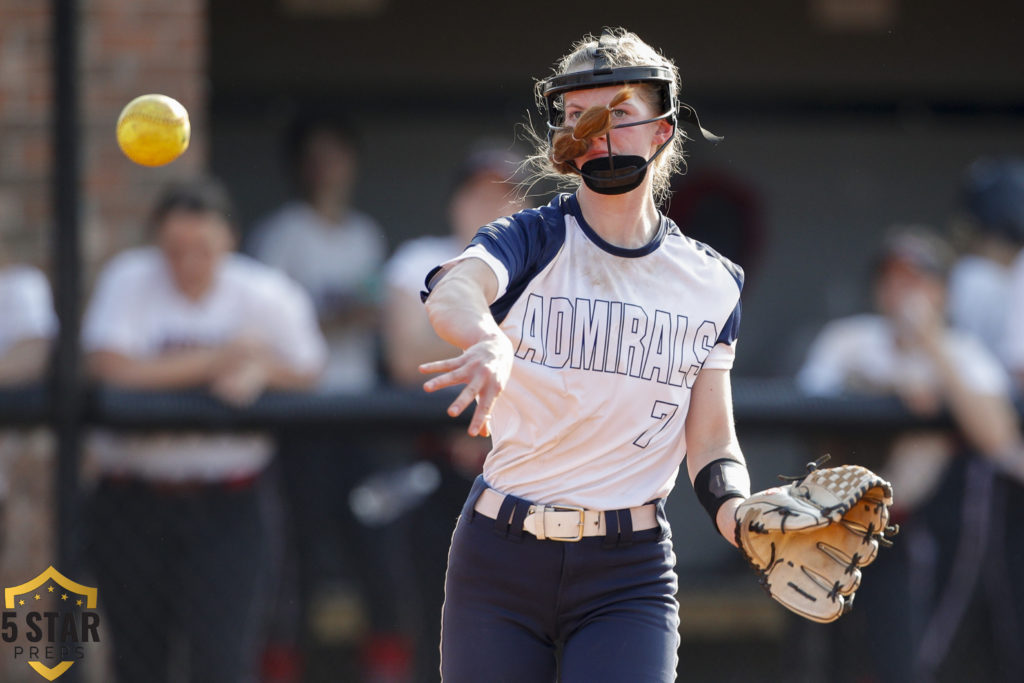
[779,427]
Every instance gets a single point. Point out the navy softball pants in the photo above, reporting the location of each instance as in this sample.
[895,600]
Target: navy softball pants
[522,610]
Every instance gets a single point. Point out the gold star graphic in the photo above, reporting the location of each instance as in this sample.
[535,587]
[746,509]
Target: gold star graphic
[38,597]
[79,603]
[64,596]
[21,602]
[50,589]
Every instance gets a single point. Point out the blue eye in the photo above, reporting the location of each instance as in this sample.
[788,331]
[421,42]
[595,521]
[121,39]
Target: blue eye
[619,113]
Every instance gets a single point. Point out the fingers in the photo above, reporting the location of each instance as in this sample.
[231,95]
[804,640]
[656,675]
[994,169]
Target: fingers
[476,425]
[484,368]
[480,424]
[452,367]
[440,365]
[446,380]
[462,401]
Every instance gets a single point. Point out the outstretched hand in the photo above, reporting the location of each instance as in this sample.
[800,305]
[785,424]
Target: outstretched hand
[484,368]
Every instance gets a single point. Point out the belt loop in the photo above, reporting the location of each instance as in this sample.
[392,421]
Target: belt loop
[618,526]
[625,528]
[503,522]
[662,517]
[468,510]
[611,529]
[509,522]
[518,517]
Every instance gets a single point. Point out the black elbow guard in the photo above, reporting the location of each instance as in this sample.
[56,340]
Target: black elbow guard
[718,481]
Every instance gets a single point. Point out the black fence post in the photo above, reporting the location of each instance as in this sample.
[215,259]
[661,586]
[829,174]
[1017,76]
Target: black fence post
[66,396]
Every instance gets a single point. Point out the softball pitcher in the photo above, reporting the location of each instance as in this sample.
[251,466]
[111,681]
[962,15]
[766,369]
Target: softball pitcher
[597,345]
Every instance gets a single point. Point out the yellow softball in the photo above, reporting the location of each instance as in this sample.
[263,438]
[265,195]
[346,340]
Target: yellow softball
[153,130]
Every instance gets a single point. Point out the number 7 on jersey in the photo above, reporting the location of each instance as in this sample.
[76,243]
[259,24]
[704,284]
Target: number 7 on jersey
[662,412]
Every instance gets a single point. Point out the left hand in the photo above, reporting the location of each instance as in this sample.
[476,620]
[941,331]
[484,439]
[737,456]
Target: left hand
[808,540]
[242,383]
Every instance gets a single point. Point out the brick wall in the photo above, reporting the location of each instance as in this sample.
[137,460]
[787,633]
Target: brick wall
[24,121]
[126,48]
[132,47]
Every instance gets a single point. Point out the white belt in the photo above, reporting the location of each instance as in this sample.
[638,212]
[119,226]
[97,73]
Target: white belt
[565,522]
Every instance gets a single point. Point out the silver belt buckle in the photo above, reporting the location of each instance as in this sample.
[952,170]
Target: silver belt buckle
[579,525]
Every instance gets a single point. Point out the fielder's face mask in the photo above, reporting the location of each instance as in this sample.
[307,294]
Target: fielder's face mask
[617,173]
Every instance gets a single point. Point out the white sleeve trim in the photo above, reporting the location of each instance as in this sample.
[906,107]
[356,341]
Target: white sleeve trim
[721,357]
[478,252]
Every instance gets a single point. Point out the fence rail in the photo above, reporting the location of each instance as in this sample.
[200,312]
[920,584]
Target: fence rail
[772,404]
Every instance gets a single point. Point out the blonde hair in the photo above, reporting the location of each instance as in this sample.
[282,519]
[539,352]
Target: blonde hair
[552,159]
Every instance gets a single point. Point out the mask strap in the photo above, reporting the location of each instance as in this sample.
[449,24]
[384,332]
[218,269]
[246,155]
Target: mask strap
[606,43]
[689,115]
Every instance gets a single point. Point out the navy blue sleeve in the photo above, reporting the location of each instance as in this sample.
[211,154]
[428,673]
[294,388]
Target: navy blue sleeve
[524,243]
[731,329]
[544,234]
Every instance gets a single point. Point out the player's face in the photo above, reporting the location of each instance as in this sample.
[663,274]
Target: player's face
[194,245]
[900,286]
[641,140]
[328,165]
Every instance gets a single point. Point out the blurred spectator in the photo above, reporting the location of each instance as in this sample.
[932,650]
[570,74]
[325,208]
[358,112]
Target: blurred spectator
[28,324]
[990,280]
[184,538]
[483,189]
[954,548]
[981,293]
[350,610]
[329,247]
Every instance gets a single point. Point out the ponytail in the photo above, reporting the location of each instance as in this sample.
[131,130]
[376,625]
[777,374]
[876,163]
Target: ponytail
[571,143]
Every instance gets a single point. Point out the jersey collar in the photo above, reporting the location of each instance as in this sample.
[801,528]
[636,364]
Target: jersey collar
[659,237]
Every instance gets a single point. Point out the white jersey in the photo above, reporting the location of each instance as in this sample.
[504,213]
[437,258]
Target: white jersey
[859,354]
[404,270]
[138,311]
[334,262]
[979,290]
[1013,344]
[608,343]
[26,306]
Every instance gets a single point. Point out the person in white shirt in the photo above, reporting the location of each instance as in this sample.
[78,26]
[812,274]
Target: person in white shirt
[953,484]
[183,528]
[336,252]
[982,283]
[28,324]
[332,249]
[485,187]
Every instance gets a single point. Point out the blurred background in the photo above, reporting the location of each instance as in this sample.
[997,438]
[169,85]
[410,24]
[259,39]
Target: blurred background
[840,118]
